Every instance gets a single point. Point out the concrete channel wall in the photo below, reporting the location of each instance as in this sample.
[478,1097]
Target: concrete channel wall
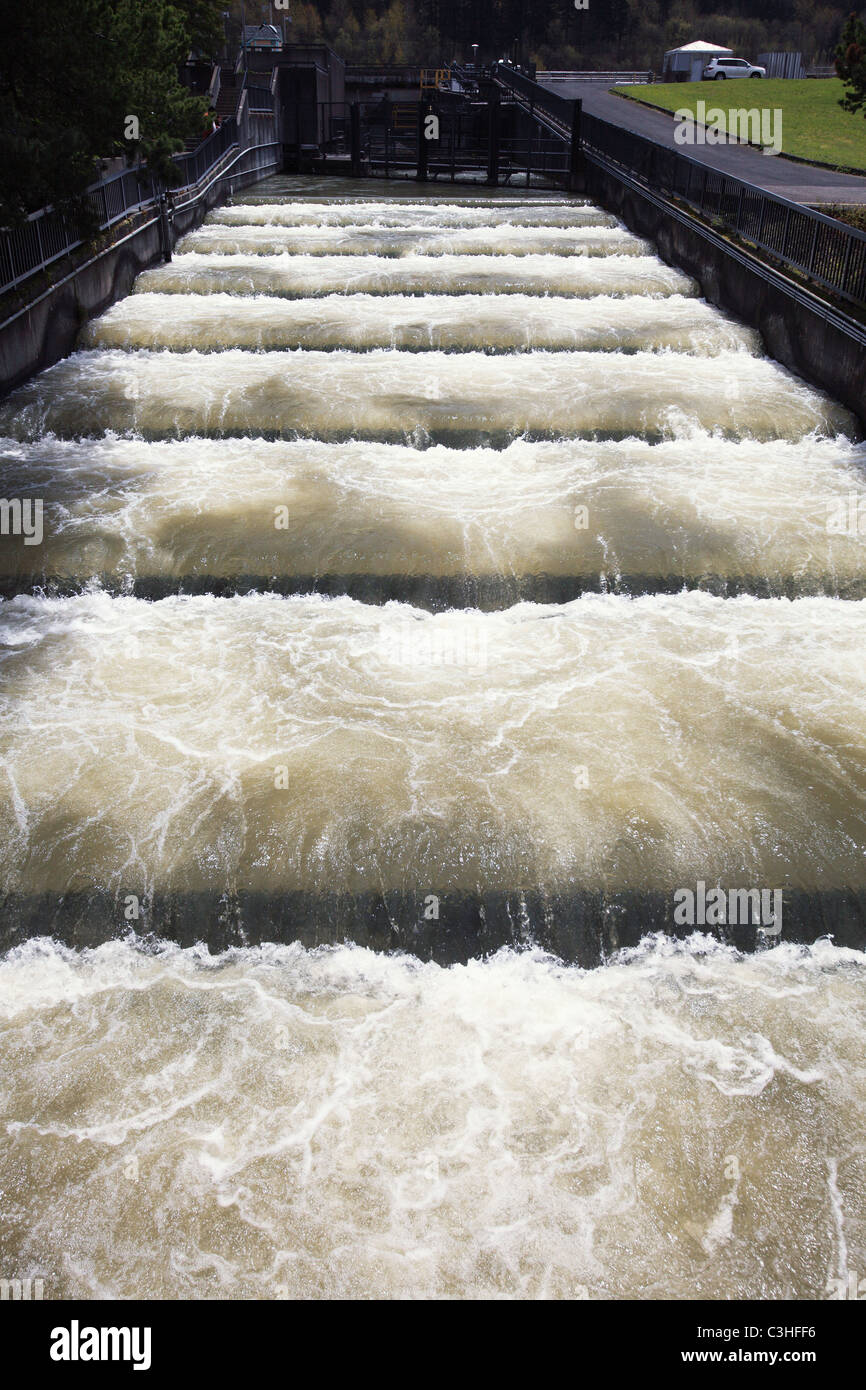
[44,331]
[801,331]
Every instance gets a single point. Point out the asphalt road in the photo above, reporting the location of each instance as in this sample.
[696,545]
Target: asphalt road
[803,183]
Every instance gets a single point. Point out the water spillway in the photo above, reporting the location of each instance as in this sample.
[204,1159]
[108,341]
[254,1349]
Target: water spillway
[302,554]
[424,584]
[297,277]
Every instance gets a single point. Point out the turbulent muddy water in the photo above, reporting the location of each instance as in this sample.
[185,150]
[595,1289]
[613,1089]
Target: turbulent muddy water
[682,1124]
[436,573]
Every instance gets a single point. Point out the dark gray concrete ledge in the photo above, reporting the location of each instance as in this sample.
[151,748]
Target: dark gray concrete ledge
[582,927]
[439,593]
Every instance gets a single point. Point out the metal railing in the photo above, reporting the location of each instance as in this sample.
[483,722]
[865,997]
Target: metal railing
[391,143]
[385,74]
[826,251]
[259,98]
[194,165]
[559,109]
[49,234]
[632,77]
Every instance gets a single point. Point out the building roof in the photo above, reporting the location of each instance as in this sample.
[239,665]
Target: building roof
[700,47]
[262,33]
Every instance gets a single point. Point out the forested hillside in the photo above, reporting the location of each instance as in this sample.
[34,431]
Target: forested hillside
[555,34]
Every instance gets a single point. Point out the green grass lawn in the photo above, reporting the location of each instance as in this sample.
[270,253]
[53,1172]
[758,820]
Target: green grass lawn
[814,126]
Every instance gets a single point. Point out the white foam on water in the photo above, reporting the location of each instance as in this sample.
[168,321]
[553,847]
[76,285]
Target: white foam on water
[364,213]
[332,1124]
[682,1123]
[694,506]
[386,393]
[299,276]
[141,745]
[493,322]
[411,240]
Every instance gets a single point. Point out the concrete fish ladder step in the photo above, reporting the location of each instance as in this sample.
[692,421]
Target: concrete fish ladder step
[464,398]
[411,240]
[438,527]
[490,323]
[302,276]
[270,747]
[585,929]
[397,214]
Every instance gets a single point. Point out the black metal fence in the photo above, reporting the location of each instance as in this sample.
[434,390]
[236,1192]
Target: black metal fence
[558,108]
[466,141]
[47,235]
[195,165]
[824,250]
[260,98]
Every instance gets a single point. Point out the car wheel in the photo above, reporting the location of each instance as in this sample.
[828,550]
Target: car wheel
[720,77]
[754,74]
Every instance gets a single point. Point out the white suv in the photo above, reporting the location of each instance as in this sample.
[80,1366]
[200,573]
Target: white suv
[718,69]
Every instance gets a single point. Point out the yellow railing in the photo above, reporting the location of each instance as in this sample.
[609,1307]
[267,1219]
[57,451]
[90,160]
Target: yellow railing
[431,78]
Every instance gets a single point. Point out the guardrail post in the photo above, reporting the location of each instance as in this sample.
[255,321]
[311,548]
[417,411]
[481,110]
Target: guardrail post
[164,229]
[355,138]
[421,162]
[494,127]
[575,163]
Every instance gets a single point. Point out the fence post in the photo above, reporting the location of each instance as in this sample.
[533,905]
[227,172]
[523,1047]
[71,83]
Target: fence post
[164,230]
[529,142]
[813,247]
[421,162]
[493,137]
[843,279]
[355,138]
[575,163]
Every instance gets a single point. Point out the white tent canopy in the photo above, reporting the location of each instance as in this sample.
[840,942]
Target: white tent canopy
[686,64]
[700,47]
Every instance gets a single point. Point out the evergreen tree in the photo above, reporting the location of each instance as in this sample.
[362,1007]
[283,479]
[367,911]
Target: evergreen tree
[851,65]
[94,80]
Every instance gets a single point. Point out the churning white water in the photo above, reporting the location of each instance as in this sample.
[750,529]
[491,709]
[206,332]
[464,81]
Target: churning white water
[125,510]
[476,322]
[300,276]
[453,413]
[387,394]
[608,743]
[278,1123]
